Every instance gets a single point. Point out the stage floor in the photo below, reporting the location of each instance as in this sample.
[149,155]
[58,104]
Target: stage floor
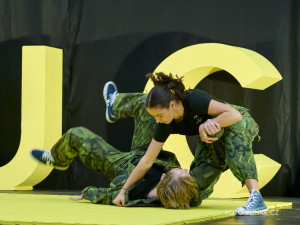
[53,207]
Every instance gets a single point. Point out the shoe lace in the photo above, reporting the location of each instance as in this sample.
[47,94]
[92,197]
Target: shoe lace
[111,98]
[252,201]
[47,157]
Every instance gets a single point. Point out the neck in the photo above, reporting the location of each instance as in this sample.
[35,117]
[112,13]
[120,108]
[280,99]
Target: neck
[178,111]
[152,193]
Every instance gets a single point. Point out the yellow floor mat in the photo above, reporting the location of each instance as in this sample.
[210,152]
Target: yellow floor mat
[58,209]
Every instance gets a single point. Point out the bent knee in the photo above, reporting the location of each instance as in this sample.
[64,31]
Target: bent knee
[78,130]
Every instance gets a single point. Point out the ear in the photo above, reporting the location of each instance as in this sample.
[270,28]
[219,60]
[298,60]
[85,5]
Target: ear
[162,176]
[172,104]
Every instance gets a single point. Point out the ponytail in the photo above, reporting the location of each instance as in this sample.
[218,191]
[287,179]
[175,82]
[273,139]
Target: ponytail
[166,89]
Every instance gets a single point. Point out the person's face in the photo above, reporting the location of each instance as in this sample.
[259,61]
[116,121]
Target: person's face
[162,115]
[177,172]
[180,172]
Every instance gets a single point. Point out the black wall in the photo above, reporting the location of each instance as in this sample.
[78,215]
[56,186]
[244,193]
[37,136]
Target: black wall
[124,40]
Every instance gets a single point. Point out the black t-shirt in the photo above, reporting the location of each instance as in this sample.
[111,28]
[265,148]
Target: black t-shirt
[149,181]
[195,113]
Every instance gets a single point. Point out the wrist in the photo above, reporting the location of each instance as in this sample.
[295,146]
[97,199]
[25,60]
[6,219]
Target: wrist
[124,190]
[201,127]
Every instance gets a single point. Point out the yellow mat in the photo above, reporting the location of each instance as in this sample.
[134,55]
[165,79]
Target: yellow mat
[58,209]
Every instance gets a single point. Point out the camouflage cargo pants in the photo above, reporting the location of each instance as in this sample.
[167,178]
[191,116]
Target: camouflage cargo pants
[95,152]
[233,150]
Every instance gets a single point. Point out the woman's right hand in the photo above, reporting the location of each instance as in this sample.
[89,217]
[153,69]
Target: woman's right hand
[140,170]
[120,199]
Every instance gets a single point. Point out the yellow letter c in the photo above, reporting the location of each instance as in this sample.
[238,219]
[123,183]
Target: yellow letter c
[251,70]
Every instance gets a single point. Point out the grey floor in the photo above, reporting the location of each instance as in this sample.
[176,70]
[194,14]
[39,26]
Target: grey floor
[282,216]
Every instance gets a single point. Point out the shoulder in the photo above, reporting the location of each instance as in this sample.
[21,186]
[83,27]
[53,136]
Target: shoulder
[197,102]
[197,96]
[162,127]
[162,132]
[194,93]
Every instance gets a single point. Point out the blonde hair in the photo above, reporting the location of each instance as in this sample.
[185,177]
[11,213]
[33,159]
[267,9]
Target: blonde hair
[177,192]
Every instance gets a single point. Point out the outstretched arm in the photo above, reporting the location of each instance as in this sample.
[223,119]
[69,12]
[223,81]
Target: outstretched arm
[140,170]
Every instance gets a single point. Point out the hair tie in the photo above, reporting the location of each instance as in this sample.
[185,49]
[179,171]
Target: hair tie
[170,87]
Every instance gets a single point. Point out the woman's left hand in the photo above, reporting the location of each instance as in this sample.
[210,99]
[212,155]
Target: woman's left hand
[120,199]
[211,127]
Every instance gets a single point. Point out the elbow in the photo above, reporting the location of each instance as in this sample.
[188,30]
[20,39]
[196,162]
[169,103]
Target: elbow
[238,116]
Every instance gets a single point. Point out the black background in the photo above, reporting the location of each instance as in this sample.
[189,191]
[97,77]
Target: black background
[124,40]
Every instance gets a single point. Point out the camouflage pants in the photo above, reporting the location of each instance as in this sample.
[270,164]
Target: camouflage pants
[95,152]
[233,150]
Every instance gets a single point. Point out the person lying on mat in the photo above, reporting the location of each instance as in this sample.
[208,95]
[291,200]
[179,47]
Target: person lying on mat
[103,158]
[194,112]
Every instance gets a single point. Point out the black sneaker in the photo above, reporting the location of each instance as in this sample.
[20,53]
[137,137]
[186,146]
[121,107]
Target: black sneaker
[110,93]
[46,158]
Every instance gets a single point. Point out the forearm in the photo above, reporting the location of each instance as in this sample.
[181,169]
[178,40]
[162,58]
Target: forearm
[224,114]
[144,164]
[228,118]
[139,172]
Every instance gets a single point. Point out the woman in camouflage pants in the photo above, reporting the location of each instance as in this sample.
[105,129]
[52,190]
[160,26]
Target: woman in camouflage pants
[194,112]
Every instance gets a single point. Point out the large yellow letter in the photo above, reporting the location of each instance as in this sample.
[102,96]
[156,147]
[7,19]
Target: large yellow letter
[41,116]
[251,70]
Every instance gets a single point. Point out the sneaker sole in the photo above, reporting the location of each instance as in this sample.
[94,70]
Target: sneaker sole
[105,99]
[107,117]
[61,168]
[105,89]
[252,213]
